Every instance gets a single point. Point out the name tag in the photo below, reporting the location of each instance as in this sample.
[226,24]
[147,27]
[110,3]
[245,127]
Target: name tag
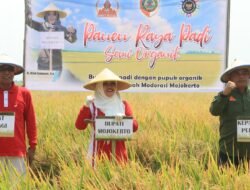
[107,128]
[7,123]
[243,129]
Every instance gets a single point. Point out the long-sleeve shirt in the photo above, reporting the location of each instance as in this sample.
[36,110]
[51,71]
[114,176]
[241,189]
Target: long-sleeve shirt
[104,146]
[228,108]
[19,102]
[44,54]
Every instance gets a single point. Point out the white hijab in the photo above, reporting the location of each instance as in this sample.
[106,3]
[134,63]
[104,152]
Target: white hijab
[110,106]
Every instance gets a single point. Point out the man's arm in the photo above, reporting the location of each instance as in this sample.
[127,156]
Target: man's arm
[218,105]
[31,127]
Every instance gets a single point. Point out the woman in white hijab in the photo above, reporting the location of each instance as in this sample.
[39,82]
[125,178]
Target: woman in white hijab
[105,102]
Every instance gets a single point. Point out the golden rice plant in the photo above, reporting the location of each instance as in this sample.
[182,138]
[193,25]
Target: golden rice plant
[175,147]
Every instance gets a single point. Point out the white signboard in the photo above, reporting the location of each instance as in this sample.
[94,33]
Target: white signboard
[7,122]
[52,40]
[109,129]
[243,129]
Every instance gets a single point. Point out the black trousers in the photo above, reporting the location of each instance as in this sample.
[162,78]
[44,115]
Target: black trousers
[224,159]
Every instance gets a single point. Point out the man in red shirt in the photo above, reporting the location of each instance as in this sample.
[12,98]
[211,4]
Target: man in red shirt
[17,118]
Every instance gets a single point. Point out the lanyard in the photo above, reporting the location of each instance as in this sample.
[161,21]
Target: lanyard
[5,98]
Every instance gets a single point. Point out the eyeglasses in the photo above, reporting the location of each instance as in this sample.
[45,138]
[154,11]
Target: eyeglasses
[109,83]
[240,72]
[7,68]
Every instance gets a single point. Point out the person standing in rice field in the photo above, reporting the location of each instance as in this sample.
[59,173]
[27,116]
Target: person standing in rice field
[52,23]
[232,105]
[105,102]
[17,119]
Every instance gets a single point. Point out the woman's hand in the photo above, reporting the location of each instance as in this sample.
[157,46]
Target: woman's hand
[87,121]
[71,30]
[119,117]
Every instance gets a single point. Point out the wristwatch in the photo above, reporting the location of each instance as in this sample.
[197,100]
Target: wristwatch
[222,95]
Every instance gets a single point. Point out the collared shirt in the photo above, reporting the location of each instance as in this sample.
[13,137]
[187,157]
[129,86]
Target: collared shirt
[102,146]
[229,108]
[18,100]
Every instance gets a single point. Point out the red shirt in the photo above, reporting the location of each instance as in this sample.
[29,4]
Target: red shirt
[19,102]
[102,145]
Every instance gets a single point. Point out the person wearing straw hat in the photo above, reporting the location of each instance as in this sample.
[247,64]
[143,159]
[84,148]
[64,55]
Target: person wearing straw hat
[105,102]
[17,118]
[51,15]
[232,105]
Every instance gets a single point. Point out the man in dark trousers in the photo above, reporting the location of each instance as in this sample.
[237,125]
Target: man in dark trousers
[232,105]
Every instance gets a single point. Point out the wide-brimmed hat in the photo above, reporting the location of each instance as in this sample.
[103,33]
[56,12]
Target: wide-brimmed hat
[7,60]
[52,7]
[235,65]
[107,75]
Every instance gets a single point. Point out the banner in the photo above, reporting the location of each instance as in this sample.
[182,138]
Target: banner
[157,45]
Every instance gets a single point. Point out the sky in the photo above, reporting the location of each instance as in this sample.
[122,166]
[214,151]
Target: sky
[12,29]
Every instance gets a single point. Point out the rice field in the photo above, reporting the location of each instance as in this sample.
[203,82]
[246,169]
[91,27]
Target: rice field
[175,147]
[81,63]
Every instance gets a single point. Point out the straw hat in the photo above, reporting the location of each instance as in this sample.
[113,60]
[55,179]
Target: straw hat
[107,75]
[7,60]
[235,65]
[51,7]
